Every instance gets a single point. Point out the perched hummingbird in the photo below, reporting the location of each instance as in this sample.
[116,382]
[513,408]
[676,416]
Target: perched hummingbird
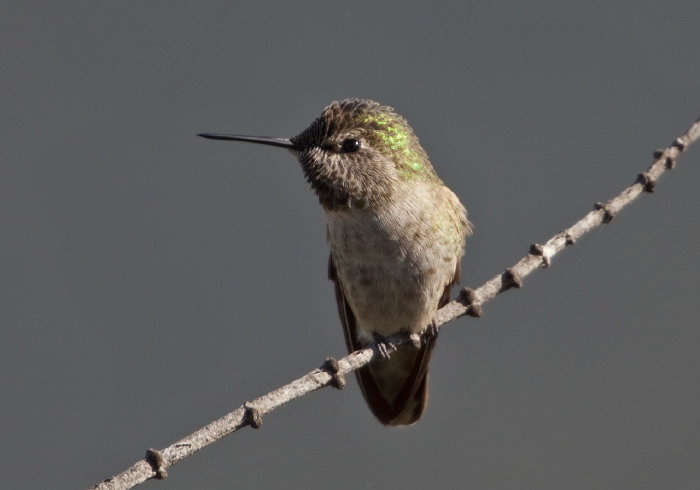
[396,235]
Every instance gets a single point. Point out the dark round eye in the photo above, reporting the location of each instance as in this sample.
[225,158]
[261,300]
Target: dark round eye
[350,145]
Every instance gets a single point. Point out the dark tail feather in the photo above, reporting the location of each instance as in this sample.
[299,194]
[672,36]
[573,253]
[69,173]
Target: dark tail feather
[396,389]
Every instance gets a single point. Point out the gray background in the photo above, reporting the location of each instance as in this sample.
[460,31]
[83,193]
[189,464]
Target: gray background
[152,281]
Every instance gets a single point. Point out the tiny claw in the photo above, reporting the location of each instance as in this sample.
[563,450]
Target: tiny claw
[384,347]
[431,331]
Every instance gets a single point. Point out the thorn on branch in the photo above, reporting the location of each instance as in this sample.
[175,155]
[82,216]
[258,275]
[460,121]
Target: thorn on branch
[337,380]
[679,143]
[253,416]
[608,215]
[510,279]
[467,296]
[475,311]
[658,154]
[647,181]
[157,462]
[538,250]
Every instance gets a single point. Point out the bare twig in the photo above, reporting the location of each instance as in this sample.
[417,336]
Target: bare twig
[469,303]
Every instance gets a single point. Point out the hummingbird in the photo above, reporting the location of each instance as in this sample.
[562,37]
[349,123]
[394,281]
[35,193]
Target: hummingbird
[396,236]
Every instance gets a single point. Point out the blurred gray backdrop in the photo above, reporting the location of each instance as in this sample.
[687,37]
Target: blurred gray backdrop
[151,281]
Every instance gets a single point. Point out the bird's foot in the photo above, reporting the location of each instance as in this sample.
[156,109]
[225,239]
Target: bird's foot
[385,348]
[431,331]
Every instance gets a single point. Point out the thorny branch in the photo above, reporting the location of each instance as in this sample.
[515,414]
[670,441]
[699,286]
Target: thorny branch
[468,303]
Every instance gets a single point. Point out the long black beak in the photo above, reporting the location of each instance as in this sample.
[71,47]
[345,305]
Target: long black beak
[263,140]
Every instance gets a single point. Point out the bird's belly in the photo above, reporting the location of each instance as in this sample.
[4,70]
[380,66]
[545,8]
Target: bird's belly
[391,284]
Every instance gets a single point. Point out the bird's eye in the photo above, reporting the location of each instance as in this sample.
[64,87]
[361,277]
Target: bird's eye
[350,145]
